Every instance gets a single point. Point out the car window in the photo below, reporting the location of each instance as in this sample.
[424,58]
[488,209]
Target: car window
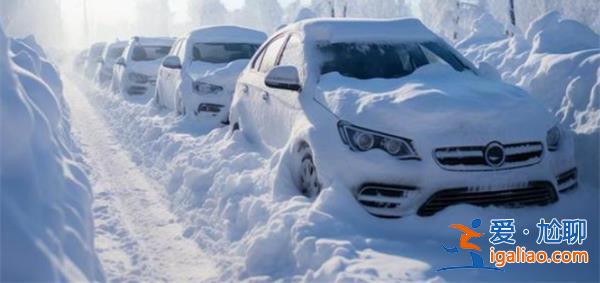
[222,52]
[115,52]
[181,51]
[258,59]
[175,47]
[271,54]
[384,60]
[149,53]
[292,52]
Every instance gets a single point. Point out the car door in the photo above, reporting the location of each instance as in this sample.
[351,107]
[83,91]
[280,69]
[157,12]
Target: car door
[256,123]
[166,85]
[176,74]
[283,106]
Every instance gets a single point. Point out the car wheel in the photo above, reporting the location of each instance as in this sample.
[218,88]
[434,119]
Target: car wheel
[156,98]
[307,178]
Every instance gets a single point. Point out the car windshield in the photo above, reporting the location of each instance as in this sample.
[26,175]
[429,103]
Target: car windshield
[115,52]
[384,60]
[96,51]
[223,52]
[149,53]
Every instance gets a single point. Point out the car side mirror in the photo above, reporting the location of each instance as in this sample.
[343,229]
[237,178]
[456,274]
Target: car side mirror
[172,62]
[284,77]
[120,61]
[488,71]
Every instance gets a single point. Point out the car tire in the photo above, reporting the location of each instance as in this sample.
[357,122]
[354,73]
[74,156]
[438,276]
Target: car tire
[307,176]
[156,98]
[180,106]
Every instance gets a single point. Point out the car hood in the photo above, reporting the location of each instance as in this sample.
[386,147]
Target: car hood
[149,68]
[224,75]
[437,106]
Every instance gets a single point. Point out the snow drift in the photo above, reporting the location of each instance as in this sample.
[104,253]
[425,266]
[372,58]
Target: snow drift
[558,61]
[47,231]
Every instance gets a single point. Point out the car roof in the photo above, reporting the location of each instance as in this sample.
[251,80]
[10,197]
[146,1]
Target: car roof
[227,33]
[148,41]
[358,30]
[117,44]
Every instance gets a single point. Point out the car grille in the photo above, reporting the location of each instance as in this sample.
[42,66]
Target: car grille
[383,200]
[472,158]
[567,180]
[534,193]
[136,90]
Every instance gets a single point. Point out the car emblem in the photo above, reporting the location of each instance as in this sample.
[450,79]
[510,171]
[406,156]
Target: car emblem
[494,154]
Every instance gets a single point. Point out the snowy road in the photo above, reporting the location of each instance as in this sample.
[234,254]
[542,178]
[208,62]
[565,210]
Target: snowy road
[137,237]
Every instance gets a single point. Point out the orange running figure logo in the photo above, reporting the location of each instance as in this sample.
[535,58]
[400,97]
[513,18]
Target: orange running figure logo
[464,244]
[468,233]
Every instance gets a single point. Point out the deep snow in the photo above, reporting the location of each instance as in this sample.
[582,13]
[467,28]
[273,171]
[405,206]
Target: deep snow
[563,74]
[179,200]
[137,237]
[47,231]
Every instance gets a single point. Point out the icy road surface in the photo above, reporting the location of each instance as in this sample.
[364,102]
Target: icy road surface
[137,237]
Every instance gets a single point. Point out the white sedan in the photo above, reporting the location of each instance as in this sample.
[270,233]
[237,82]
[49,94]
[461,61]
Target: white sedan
[135,72]
[389,110]
[198,77]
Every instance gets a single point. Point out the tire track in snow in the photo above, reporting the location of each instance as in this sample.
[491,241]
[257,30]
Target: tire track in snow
[137,237]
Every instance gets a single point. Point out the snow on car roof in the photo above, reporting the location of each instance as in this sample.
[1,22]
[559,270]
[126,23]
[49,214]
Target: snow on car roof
[227,33]
[166,41]
[349,29]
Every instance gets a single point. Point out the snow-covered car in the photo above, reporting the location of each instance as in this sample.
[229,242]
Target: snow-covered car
[79,60]
[134,73]
[389,110]
[93,58]
[199,74]
[110,55]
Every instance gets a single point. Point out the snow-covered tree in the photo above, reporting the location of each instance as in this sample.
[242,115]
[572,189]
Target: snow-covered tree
[265,15]
[207,12]
[153,17]
[42,18]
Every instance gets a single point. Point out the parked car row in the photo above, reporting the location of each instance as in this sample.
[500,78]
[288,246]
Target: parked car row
[385,107]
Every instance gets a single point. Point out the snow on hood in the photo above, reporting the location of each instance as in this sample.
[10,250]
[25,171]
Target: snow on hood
[437,105]
[224,75]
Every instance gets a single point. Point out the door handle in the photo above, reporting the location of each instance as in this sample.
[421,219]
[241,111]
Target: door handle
[265,96]
[244,89]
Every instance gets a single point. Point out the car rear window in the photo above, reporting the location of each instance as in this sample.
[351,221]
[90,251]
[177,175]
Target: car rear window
[223,52]
[115,52]
[384,60]
[149,53]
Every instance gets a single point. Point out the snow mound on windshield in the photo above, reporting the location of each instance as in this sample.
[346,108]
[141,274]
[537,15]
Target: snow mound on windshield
[224,75]
[47,230]
[557,61]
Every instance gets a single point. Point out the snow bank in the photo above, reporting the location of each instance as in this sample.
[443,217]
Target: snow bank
[47,230]
[557,60]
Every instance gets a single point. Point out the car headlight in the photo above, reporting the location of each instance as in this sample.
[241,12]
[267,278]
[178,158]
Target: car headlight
[553,138]
[138,78]
[206,88]
[361,139]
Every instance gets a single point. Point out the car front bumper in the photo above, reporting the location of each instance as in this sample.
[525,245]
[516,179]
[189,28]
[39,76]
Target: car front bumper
[135,88]
[389,187]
